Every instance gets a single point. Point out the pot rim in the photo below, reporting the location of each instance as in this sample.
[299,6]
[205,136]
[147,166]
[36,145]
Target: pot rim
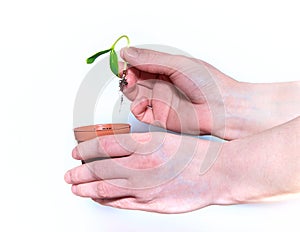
[102,127]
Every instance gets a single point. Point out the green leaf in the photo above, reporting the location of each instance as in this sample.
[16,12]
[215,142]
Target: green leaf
[91,59]
[113,61]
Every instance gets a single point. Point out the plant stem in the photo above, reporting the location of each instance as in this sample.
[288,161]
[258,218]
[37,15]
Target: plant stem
[123,36]
[114,44]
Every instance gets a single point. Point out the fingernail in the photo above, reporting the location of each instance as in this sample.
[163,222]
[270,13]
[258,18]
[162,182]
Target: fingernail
[74,153]
[68,177]
[131,52]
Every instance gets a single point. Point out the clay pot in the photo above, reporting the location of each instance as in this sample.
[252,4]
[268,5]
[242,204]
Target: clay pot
[85,133]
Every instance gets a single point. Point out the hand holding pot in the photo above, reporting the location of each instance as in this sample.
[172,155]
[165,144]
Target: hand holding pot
[148,171]
[161,172]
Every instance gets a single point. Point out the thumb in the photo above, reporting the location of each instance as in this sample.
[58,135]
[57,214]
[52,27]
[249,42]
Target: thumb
[153,61]
[186,73]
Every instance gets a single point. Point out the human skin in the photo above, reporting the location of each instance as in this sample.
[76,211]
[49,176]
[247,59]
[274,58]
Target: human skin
[168,173]
[158,178]
[201,99]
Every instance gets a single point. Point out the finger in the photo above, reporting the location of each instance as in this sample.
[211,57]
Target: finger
[113,146]
[138,82]
[188,74]
[104,147]
[133,76]
[130,203]
[131,89]
[97,170]
[142,110]
[162,102]
[122,68]
[156,107]
[101,190]
[149,60]
[122,203]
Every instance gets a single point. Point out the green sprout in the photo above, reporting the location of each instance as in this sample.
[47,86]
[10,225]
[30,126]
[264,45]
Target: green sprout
[113,57]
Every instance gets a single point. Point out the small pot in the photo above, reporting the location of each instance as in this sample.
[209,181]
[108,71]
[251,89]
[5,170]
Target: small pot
[85,133]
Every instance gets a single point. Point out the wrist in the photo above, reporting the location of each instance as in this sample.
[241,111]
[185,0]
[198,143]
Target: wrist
[262,166]
[252,108]
[216,166]
[241,179]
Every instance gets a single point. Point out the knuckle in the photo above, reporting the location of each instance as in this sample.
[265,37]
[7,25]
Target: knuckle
[95,172]
[79,152]
[102,190]
[102,146]
[122,204]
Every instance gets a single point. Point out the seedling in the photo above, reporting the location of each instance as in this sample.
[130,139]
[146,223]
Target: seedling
[113,61]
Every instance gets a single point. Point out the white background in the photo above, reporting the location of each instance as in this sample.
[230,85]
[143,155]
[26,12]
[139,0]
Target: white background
[43,47]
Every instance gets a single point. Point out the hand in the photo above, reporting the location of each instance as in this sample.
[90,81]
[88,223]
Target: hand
[163,173]
[176,92]
[157,172]
[190,96]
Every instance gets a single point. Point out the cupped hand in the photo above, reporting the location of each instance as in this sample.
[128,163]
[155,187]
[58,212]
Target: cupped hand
[157,172]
